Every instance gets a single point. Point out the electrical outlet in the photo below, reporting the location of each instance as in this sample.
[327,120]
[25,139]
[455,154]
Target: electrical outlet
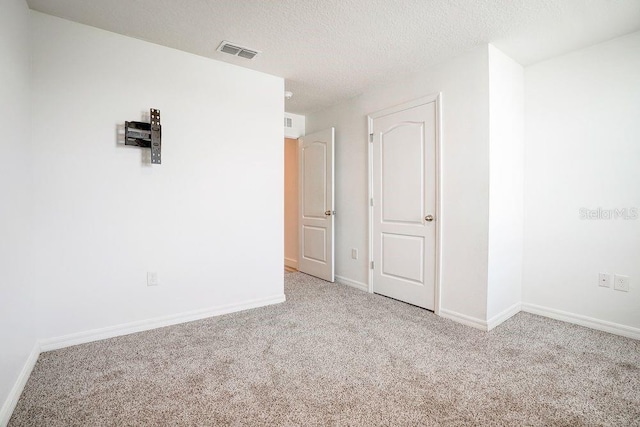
[152,278]
[621,283]
[605,280]
[354,253]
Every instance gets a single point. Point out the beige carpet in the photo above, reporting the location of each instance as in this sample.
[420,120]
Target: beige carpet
[332,355]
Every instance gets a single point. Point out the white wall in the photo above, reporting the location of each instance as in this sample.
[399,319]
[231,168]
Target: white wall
[464,83]
[506,204]
[583,151]
[17,329]
[208,220]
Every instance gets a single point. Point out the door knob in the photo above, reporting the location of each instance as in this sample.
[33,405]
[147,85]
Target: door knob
[329,213]
[429,218]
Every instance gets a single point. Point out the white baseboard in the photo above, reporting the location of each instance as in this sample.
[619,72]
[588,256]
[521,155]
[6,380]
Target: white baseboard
[483,325]
[578,319]
[474,322]
[504,315]
[158,322]
[12,399]
[291,263]
[352,283]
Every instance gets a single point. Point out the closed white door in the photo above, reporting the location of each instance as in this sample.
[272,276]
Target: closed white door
[316,218]
[404,202]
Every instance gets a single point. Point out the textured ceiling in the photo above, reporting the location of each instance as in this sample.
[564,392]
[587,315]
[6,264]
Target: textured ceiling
[331,50]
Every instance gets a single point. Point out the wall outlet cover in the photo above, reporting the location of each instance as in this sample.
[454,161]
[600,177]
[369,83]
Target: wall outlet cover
[621,283]
[604,280]
[152,278]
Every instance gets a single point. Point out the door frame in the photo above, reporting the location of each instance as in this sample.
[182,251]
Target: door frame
[437,98]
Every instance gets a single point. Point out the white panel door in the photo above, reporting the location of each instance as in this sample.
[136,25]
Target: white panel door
[404,203]
[316,218]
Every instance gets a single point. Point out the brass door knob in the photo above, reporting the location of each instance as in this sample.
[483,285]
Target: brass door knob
[329,213]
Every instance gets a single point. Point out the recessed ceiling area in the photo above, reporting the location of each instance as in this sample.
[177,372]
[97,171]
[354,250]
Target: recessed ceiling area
[332,50]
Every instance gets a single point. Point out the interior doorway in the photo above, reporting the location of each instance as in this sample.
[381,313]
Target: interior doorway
[291,204]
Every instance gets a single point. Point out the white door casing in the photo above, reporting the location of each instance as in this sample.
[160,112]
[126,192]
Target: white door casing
[317,211]
[404,212]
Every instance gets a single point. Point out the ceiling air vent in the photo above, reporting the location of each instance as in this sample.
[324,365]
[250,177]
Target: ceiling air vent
[249,54]
[236,50]
[227,48]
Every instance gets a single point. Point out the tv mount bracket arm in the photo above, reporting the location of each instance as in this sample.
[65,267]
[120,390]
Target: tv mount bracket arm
[147,135]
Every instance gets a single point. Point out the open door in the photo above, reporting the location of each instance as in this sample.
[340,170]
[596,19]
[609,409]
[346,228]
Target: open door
[316,216]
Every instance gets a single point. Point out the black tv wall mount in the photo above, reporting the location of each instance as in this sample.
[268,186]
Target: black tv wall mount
[147,135]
